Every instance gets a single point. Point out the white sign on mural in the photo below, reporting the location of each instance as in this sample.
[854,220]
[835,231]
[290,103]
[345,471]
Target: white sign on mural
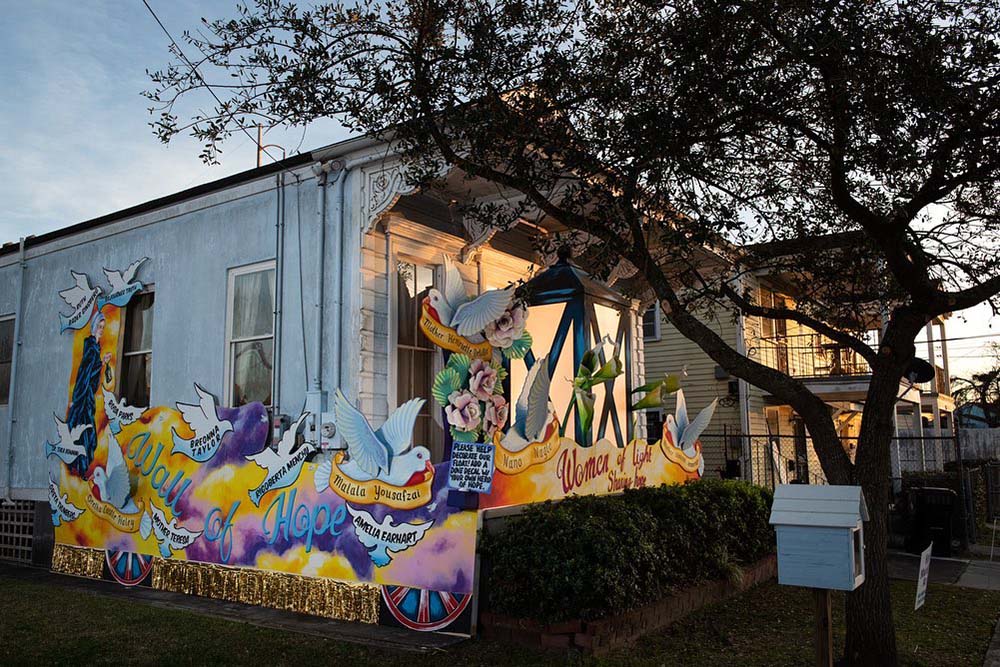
[471,467]
[925,570]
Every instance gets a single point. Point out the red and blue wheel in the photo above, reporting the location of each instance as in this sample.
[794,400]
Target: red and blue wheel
[127,568]
[423,610]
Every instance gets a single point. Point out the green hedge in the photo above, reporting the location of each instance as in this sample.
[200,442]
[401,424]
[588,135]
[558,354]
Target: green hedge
[587,557]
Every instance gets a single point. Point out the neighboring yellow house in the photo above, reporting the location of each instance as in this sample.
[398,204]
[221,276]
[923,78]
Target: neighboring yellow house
[754,435]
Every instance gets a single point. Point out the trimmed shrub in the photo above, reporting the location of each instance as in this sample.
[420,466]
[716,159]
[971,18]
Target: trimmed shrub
[591,556]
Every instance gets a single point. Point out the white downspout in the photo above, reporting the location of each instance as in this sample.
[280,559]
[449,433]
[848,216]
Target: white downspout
[12,392]
[279,279]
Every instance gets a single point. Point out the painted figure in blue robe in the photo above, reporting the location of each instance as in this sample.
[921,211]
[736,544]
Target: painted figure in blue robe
[83,405]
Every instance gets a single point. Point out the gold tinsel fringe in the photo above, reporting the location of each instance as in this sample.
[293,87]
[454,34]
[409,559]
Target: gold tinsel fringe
[78,561]
[290,592]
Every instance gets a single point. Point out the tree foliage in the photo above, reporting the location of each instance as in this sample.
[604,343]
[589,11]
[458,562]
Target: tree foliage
[846,147]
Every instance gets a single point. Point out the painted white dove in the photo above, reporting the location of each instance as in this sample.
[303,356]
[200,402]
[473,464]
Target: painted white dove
[282,465]
[456,310]
[81,297]
[61,508]
[79,293]
[169,536]
[382,537]
[121,281]
[532,411]
[684,434]
[203,419]
[270,459]
[119,412]
[66,447]
[385,454]
[111,481]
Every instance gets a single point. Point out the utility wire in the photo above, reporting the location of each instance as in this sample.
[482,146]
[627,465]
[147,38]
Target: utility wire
[198,74]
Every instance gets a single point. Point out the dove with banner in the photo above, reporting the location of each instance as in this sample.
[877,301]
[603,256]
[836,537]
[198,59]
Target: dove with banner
[63,511]
[123,285]
[66,447]
[119,413]
[386,454]
[169,536]
[111,481]
[209,430]
[454,309]
[282,465]
[381,538]
[532,411]
[684,434]
[82,299]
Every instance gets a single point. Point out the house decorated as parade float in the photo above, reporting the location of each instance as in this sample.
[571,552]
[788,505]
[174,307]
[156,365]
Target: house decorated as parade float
[307,386]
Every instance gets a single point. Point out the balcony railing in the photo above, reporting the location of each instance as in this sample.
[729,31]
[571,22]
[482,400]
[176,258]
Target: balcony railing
[810,355]
[938,385]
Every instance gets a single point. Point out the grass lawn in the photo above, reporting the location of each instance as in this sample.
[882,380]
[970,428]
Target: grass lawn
[769,625]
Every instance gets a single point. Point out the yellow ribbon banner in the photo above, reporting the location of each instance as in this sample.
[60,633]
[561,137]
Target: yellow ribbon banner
[687,463]
[451,340]
[512,463]
[377,491]
[126,523]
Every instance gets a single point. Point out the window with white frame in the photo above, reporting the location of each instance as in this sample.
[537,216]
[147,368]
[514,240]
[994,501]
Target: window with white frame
[137,350]
[415,354]
[250,334]
[651,323]
[6,357]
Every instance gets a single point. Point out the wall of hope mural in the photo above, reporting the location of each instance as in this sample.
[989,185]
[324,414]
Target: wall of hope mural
[160,493]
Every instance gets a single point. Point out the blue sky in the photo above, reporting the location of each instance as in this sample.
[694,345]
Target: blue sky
[76,141]
[74,136]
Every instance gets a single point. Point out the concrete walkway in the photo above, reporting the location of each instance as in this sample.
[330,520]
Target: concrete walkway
[358,633]
[980,574]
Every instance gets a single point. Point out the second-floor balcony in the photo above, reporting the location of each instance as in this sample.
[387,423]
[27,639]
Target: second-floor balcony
[814,356]
[811,355]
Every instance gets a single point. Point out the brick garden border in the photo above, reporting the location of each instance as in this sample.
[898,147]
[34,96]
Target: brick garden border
[600,636]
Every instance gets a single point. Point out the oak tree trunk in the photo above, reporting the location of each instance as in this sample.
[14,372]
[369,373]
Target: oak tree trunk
[871,638]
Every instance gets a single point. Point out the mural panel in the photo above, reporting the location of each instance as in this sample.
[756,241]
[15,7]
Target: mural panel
[198,482]
[193,496]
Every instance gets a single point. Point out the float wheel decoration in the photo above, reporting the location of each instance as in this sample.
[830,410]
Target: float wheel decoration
[423,610]
[127,568]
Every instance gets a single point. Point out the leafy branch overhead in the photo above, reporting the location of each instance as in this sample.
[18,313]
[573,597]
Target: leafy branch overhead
[707,152]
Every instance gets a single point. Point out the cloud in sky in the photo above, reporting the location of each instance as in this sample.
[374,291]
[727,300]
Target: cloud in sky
[76,141]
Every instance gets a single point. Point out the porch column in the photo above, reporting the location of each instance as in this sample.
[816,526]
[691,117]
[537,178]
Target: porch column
[944,357]
[930,343]
[936,409]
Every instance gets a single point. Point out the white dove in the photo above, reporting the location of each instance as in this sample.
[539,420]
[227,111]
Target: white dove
[385,454]
[111,481]
[532,411]
[203,417]
[684,434]
[66,445]
[79,293]
[118,411]
[283,466]
[456,310]
[121,281]
[169,536]
[272,460]
[382,537]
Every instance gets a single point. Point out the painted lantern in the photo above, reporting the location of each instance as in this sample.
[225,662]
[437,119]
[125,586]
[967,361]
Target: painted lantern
[572,314]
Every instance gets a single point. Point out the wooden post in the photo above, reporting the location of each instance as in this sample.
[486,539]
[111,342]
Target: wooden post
[823,629]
